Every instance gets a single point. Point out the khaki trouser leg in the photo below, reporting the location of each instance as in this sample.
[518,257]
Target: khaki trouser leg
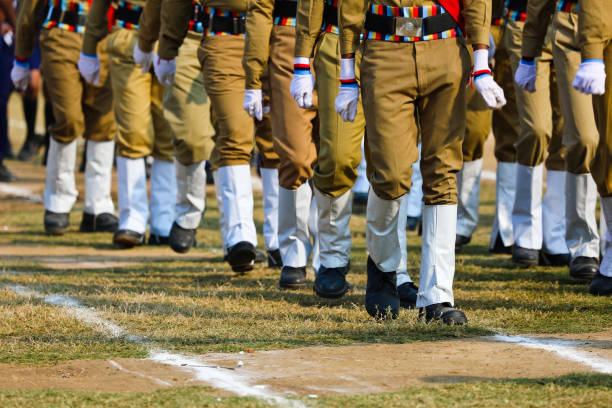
[263,131]
[602,165]
[292,127]
[340,142]
[506,124]
[187,107]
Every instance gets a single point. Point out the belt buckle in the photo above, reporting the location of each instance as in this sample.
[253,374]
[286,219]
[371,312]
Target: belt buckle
[408,26]
[210,22]
[235,25]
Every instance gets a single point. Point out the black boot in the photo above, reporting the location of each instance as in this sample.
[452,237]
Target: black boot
[601,285]
[56,223]
[274,259]
[499,247]
[408,295]
[331,283]
[181,239]
[292,278]
[104,222]
[158,240]
[547,259]
[128,239]
[260,257]
[524,256]
[241,257]
[584,268]
[460,241]
[413,223]
[382,299]
[444,312]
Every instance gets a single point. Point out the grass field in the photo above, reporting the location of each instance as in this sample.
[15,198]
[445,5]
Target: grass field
[195,305]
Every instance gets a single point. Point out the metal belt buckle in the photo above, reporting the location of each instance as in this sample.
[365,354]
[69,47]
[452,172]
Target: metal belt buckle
[409,26]
[235,25]
[210,22]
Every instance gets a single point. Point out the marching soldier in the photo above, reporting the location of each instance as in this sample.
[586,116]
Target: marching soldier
[579,129]
[220,54]
[78,108]
[594,77]
[414,70]
[143,130]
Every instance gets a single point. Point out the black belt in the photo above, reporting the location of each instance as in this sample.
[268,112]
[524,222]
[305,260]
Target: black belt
[517,5]
[330,15]
[231,25]
[430,25]
[286,9]
[128,15]
[71,18]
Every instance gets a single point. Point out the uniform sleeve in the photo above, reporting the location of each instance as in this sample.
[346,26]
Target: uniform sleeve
[595,28]
[351,16]
[477,16]
[97,26]
[259,21]
[175,16]
[149,25]
[28,24]
[308,26]
[6,6]
[539,13]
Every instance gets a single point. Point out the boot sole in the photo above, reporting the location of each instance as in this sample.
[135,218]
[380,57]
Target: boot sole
[525,262]
[242,258]
[584,276]
[292,285]
[331,295]
[127,242]
[56,230]
[181,249]
[407,305]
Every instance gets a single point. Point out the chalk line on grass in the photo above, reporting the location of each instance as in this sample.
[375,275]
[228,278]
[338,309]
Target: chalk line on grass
[20,192]
[563,348]
[139,374]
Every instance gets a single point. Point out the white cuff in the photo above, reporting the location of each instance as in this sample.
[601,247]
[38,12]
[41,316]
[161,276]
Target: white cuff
[481,60]
[347,68]
[301,61]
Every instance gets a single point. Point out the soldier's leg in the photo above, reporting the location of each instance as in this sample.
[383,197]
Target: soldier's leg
[100,131]
[414,198]
[362,185]
[60,54]
[292,129]
[580,137]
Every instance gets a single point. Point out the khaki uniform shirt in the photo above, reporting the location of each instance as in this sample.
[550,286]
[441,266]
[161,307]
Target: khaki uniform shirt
[260,19]
[175,15]
[97,23]
[149,25]
[477,15]
[539,14]
[308,26]
[595,20]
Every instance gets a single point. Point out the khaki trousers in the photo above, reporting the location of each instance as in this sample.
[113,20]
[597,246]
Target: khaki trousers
[187,107]
[409,88]
[539,112]
[224,78]
[143,130]
[601,168]
[294,130]
[78,108]
[580,135]
[339,142]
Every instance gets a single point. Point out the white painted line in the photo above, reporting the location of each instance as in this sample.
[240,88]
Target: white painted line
[139,374]
[218,377]
[564,348]
[9,190]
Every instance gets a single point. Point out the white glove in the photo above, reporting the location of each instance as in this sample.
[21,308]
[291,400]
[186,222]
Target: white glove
[491,49]
[89,67]
[348,94]
[144,59]
[164,70]
[591,77]
[302,83]
[20,75]
[492,94]
[525,75]
[253,103]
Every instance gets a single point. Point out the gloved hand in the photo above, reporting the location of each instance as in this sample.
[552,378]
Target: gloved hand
[525,75]
[144,59]
[253,103]
[20,74]
[591,77]
[348,94]
[302,83]
[492,94]
[491,49]
[89,67]
[164,70]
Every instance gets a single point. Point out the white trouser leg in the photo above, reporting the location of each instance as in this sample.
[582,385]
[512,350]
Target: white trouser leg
[382,232]
[415,195]
[362,185]
[606,263]
[527,211]
[437,255]
[163,197]
[334,230]
[237,197]
[402,270]
[191,194]
[60,190]
[313,228]
[293,236]
[581,234]
[505,192]
[553,213]
[98,176]
[132,192]
[269,179]
[468,186]
[219,197]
